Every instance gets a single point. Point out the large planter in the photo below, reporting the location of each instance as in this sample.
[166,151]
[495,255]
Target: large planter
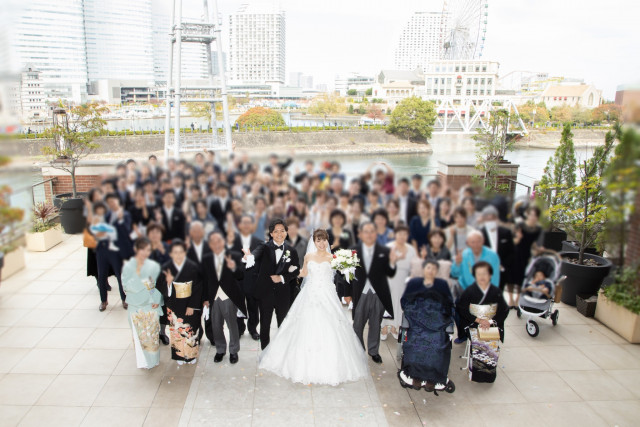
[42,242]
[582,279]
[71,213]
[618,319]
[553,240]
[13,262]
[573,246]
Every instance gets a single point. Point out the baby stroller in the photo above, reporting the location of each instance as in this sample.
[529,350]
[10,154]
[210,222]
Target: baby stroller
[549,263]
[425,340]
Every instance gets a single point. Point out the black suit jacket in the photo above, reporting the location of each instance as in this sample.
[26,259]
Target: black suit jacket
[123,230]
[506,250]
[249,281]
[265,265]
[412,209]
[219,212]
[230,281]
[191,253]
[175,227]
[377,275]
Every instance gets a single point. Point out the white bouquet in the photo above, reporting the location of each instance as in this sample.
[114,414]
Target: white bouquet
[345,261]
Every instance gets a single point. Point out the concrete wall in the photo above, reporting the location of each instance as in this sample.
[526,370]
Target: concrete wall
[260,140]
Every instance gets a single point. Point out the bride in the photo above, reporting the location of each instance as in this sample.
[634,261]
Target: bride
[316,342]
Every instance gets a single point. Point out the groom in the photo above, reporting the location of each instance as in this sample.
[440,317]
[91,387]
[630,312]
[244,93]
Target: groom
[277,265]
[370,288]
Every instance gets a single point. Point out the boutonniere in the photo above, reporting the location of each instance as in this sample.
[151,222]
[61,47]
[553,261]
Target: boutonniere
[286,256]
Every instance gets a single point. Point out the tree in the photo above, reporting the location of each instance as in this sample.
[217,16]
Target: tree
[352,92]
[327,104]
[350,111]
[606,112]
[582,211]
[413,118]
[561,114]
[622,182]
[560,171]
[492,145]
[261,116]
[369,92]
[72,141]
[580,115]
[374,112]
[200,109]
[526,112]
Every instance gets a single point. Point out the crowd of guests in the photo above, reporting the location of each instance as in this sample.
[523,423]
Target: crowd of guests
[181,213]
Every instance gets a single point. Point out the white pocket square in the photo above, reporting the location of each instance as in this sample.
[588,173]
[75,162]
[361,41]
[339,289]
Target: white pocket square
[381,256]
[292,268]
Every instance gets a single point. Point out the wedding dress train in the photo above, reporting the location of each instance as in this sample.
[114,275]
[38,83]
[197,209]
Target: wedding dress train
[316,343]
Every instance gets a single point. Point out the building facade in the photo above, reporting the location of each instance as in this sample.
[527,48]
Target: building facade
[257,44]
[461,80]
[353,81]
[582,95]
[420,41]
[32,98]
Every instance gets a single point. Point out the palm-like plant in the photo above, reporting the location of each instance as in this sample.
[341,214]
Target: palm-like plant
[43,216]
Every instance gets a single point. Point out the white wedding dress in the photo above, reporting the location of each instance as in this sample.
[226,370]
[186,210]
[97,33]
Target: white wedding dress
[315,343]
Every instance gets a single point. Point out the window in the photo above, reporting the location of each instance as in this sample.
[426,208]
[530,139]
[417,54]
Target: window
[475,91]
[458,91]
[441,91]
[477,69]
[481,91]
[468,91]
[475,81]
[448,91]
[464,69]
[489,81]
[468,81]
[448,80]
[457,68]
[481,81]
[484,68]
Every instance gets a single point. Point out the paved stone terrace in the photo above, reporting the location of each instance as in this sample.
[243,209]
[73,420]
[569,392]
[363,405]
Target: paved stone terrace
[62,362]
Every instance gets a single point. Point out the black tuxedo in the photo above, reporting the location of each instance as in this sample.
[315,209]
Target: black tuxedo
[505,249]
[369,308]
[412,209]
[219,211]
[175,227]
[248,287]
[377,275]
[273,295]
[193,256]
[230,281]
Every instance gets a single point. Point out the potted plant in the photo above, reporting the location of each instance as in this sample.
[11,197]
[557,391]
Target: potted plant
[619,303]
[582,211]
[45,233]
[72,134]
[12,254]
[559,174]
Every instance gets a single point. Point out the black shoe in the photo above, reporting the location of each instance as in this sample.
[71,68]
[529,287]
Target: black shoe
[125,305]
[256,337]
[376,358]
[103,306]
[164,339]
[218,357]
[233,358]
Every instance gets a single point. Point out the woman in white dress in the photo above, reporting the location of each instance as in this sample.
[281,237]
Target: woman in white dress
[397,284]
[316,343]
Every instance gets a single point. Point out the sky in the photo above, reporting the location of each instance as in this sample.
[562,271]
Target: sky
[598,41]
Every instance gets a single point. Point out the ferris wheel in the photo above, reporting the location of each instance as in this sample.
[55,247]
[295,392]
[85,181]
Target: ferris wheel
[463,28]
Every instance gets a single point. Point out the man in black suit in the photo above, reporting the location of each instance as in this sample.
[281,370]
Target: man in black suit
[276,263]
[198,248]
[221,205]
[223,272]
[171,217]
[408,205]
[114,251]
[370,288]
[237,242]
[499,239]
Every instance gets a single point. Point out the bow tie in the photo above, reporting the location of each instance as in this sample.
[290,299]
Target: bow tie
[281,247]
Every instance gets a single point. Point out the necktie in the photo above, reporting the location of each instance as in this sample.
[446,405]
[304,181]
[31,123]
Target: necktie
[218,266]
[281,247]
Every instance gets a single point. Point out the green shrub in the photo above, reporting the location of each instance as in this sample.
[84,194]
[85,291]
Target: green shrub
[623,291]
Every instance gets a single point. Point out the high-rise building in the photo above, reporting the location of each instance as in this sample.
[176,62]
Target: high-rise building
[50,36]
[257,44]
[119,39]
[420,41]
[32,99]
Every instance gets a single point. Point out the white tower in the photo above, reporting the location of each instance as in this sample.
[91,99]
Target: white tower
[215,93]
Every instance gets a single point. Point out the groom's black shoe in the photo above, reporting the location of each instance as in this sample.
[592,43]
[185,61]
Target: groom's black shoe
[164,339]
[255,336]
[233,358]
[218,357]
[376,358]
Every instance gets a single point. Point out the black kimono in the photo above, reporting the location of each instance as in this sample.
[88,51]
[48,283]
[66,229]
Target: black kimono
[183,329]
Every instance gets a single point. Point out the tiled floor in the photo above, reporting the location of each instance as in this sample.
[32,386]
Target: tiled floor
[64,363]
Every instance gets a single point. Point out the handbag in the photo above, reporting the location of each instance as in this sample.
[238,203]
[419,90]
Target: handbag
[88,239]
[491,334]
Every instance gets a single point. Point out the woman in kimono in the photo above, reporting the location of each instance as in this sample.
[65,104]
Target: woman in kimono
[181,285]
[428,309]
[480,305]
[139,276]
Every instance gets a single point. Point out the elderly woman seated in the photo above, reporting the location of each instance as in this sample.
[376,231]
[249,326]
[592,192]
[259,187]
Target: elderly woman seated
[428,311]
[480,306]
